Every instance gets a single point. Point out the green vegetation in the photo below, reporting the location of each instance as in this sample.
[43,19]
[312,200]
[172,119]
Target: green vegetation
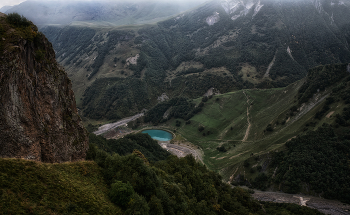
[28,187]
[316,162]
[177,186]
[103,50]
[121,193]
[222,125]
[126,145]
[319,78]
[117,101]
[176,107]
[18,20]
[184,56]
[320,160]
[168,187]
[13,28]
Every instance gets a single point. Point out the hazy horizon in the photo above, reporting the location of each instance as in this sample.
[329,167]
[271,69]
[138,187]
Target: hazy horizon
[16,2]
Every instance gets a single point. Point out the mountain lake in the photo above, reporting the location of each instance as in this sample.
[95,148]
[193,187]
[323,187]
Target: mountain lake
[160,135]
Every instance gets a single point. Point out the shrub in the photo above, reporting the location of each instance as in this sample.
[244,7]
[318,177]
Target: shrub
[259,168]
[246,163]
[137,205]
[200,128]
[18,20]
[39,55]
[120,193]
[252,170]
[269,127]
[221,149]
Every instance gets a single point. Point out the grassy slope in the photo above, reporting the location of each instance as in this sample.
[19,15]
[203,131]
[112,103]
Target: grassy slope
[28,187]
[230,110]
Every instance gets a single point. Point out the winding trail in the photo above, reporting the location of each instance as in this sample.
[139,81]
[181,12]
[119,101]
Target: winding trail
[249,124]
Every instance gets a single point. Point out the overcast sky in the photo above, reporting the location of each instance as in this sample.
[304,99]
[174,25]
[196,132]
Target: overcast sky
[15,2]
[9,2]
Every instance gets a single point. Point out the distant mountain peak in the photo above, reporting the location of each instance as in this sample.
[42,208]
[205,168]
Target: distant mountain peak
[318,5]
[238,8]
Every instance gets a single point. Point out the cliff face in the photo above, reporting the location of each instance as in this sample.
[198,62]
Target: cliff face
[38,114]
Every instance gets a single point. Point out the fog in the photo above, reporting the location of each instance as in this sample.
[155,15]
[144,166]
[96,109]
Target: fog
[16,2]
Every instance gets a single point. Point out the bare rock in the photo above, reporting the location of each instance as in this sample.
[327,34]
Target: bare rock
[38,114]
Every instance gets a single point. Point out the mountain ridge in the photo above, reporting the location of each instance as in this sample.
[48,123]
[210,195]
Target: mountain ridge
[38,116]
[270,44]
[105,13]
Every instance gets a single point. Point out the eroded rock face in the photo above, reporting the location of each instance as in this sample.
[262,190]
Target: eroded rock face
[38,114]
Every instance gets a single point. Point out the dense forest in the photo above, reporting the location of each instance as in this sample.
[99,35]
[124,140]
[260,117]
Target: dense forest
[176,186]
[116,100]
[317,162]
[177,107]
[126,145]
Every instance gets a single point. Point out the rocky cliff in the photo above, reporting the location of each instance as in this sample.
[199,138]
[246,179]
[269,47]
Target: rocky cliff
[38,114]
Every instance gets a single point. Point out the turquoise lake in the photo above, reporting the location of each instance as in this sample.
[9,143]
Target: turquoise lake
[159,135]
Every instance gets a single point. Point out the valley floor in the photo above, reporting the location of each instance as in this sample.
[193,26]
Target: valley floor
[323,205]
[107,127]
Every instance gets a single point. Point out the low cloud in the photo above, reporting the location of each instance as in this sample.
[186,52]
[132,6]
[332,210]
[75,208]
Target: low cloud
[16,2]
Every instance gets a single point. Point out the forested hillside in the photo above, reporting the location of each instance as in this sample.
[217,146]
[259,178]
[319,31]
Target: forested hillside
[123,146]
[125,184]
[268,44]
[177,186]
[316,161]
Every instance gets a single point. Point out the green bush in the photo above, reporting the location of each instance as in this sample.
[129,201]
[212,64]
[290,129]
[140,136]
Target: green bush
[39,55]
[137,205]
[120,193]
[18,20]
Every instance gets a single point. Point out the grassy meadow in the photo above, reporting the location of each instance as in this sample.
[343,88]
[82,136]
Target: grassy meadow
[28,187]
[225,121]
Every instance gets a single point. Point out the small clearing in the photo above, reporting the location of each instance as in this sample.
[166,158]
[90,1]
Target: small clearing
[330,114]
[132,60]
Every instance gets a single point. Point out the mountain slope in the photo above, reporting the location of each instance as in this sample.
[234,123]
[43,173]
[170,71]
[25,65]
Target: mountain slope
[176,185]
[38,115]
[231,127]
[315,161]
[227,45]
[40,188]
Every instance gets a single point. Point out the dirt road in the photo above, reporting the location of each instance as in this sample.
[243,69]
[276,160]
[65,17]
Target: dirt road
[249,124]
[323,205]
[104,128]
[180,151]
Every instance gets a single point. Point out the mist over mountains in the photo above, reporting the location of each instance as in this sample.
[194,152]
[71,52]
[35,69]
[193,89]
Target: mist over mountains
[227,45]
[109,13]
